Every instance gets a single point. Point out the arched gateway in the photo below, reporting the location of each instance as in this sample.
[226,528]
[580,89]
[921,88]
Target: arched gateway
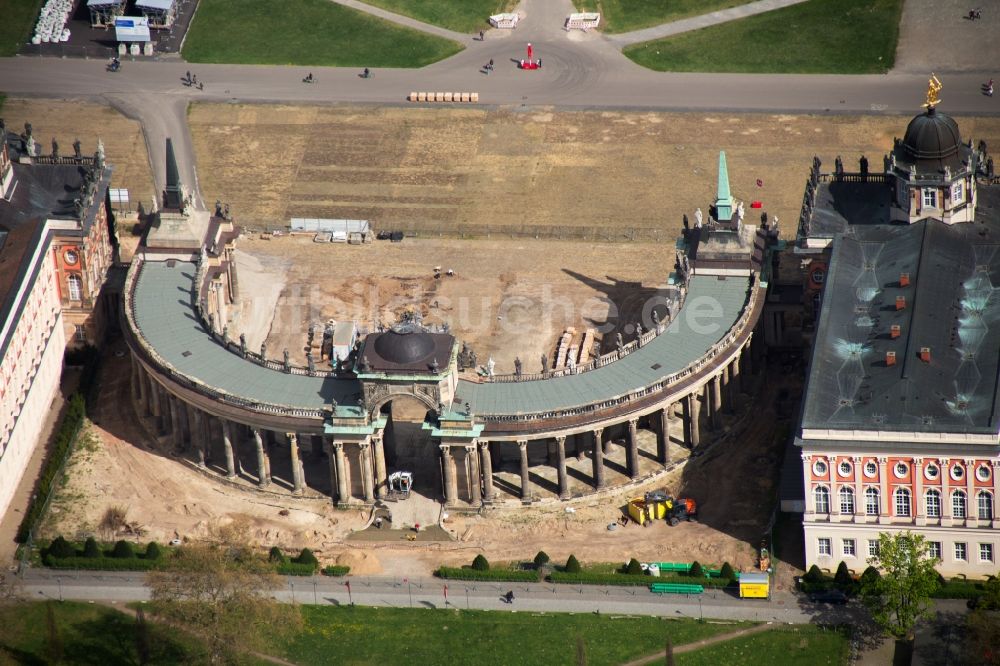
[200,389]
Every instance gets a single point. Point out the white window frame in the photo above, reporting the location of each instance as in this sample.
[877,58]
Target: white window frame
[873,548]
[928,197]
[957,191]
[984,500]
[986,552]
[845,468]
[846,498]
[821,496]
[820,467]
[80,333]
[931,472]
[872,494]
[934,549]
[900,469]
[74,287]
[850,548]
[957,472]
[959,504]
[897,496]
[933,509]
[983,473]
[961,546]
[824,544]
[871,469]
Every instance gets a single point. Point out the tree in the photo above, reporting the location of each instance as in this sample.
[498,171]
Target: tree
[221,592]
[480,563]
[726,572]
[541,559]
[307,557]
[61,548]
[814,575]
[633,568]
[123,550]
[275,555]
[696,571]
[901,595]
[869,576]
[572,565]
[153,551]
[842,579]
[90,548]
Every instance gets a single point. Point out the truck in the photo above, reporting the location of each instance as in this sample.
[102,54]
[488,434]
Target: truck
[657,505]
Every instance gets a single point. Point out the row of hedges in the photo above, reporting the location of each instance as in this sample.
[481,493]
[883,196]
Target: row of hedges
[588,578]
[71,423]
[461,573]
[296,569]
[335,570]
[958,589]
[99,564]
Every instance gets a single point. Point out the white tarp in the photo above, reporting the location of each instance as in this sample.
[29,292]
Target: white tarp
[162,5]
[343,227]
[103,3]
[132,29]
[507,20]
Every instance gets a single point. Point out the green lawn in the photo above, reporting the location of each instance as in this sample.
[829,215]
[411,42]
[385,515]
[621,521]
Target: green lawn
[469,16]
[305,32]
[373,636]
[802,645]
[17,18]
[627,15]
[86,634]
[815,37]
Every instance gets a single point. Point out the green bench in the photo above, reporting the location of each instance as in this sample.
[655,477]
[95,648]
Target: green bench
[676,588]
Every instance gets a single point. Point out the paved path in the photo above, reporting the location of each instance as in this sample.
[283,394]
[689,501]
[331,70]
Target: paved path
[406,21]
[698,22]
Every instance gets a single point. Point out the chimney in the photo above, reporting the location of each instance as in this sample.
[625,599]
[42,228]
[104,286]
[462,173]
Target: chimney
[901,302]
[904,279]
[890,358]
[895,331]
[925,354]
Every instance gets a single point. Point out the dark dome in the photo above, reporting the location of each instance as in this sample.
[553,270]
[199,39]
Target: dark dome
[931,136]
[404,344]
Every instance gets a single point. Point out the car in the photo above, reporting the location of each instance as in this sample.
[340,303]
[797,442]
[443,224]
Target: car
[829,597]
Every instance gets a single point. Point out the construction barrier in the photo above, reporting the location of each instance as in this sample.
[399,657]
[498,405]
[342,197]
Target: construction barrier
[583,21]
[444,97]
[676,588]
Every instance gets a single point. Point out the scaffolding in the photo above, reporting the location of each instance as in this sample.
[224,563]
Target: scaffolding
[104,12]
[159,13]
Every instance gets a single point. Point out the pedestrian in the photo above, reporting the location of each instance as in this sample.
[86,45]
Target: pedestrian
[491,64]
[481,35]
[194,79]
[188,76]
[201,86]
[509,596]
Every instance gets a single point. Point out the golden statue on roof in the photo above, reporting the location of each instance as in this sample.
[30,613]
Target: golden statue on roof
[933,88]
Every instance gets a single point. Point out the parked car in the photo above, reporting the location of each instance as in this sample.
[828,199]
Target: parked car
[829,597]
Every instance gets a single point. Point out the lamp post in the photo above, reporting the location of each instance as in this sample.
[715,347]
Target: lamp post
[59,582]
[315,597]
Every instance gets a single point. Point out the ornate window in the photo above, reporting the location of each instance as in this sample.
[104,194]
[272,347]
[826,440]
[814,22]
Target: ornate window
[900,469]
[871,469]
[985,504]
[847,501]
[819,468]
[822,495]
[845,468]
[903,502]
[932,502]
[75,285]
[956,192]
[930,197]
[871,502]
[931,472]
[983,473]
[957,472]
[958,504]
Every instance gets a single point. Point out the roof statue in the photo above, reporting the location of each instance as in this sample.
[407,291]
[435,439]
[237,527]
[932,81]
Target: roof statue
[933,88]
[723,200]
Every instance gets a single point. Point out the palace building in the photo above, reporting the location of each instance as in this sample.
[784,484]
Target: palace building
[899,423]
[55,252]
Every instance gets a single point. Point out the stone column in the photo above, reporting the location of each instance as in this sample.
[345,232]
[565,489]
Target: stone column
[598,459]
[663,436]
[715,410]
[263,475]
[579,442]
[736,378]
[448,471]
[156,406]
[809,486]
[883,492]
[561,462]
[525,481]
[996,493]
[919,505]
[859,490]
[730,393]
[139,388]
[380,471]
[632,461]
[197,433]
[298,480]
[227,444]
[175,423]
[472,457]
[971,503]
[339,462]
[364,450]
[486,465]
[693,409]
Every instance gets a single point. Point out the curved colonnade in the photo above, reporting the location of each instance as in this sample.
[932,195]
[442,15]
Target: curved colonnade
[209,397]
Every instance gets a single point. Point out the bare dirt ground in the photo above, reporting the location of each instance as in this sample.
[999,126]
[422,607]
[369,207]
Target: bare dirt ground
[68,120]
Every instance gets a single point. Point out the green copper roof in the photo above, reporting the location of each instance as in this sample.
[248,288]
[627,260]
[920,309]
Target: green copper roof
[723,200]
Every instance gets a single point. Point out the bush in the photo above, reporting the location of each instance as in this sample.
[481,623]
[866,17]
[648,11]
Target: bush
[696,571]
[307,557]
[334,570]
[153,551]
[61,548]
[480,563]
[842,580]
[870,576]
[275,555]
[814,575]
[633,568]
[541,559]
[958,590]
[727,571]
[123,550]
[98,564]
[296,569]
[456,573]
[91,549]
[61,446]
[572,565]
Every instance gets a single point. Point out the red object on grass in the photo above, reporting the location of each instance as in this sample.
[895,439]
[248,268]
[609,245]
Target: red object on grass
[756,204]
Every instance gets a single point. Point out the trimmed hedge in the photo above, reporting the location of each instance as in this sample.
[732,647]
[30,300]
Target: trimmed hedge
[296,569]
[334,570]
[585,578]
[959,590]
[99,564]
[306,557]
[458,573]
[61,448]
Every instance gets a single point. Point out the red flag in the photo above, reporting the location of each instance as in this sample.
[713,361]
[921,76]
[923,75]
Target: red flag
[529,51]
